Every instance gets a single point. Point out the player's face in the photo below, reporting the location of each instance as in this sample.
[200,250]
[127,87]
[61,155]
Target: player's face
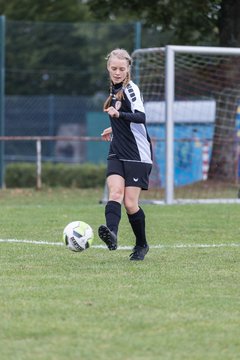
[118,69]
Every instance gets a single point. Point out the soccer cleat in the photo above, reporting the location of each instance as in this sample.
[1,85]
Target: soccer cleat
[108,236]
[139,252]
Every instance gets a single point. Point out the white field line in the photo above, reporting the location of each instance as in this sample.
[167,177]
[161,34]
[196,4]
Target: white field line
[177,246]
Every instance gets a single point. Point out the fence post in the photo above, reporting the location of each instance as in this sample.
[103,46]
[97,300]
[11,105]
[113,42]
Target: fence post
[2,96]
[39,164]
[138,35]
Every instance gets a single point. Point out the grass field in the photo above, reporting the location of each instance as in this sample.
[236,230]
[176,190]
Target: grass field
[182,302]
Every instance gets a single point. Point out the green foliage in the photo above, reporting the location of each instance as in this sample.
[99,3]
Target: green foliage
[61,58]
[180,303]
[187,22]
[45,10]
[59,47]
[20,175]
[23,175]
[179,22]
[44,56]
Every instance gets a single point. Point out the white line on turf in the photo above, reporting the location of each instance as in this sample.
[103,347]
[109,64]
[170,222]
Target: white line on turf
[176,246]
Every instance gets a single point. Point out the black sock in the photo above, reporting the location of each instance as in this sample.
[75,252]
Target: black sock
[113,215]
[137,222]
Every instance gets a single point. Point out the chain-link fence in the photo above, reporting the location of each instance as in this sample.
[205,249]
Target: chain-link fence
[56,82]
[53,82]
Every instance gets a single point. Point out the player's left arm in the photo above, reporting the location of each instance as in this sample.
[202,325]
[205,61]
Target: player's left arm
[137,114]
[136,117]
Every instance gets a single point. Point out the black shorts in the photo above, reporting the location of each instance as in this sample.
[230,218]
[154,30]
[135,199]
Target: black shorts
[134,173]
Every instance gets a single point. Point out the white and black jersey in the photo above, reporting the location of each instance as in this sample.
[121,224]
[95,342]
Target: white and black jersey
[130,139]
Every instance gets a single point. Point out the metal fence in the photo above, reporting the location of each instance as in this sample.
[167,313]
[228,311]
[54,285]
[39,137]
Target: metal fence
[53,82]
[52,116]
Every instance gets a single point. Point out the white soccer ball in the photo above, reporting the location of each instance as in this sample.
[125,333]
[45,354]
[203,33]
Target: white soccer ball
[78,236]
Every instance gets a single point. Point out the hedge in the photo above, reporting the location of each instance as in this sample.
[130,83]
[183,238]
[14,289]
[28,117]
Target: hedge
[23,175]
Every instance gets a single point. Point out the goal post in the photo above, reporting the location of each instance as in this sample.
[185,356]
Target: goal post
[169,98]
[192,102]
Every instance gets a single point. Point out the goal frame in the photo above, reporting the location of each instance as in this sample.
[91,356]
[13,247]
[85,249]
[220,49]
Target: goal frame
[171,51]
[169,71]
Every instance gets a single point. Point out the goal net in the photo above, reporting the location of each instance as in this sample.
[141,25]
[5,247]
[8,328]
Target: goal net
[192,103]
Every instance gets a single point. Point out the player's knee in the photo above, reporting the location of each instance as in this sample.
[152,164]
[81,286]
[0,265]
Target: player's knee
[116,194]
[131,205]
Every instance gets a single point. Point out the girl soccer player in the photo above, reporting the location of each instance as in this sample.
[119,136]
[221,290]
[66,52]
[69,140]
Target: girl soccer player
[129,161]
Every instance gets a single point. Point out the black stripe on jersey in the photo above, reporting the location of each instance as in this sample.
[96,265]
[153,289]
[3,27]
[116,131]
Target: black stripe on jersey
[131,93]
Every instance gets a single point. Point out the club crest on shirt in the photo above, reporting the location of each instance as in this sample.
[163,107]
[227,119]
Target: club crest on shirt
[118,104]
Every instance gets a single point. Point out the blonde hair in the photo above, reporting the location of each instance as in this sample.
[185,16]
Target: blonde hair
[121,54]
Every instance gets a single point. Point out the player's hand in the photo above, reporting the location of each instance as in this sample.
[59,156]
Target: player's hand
[112,112]
[107,134]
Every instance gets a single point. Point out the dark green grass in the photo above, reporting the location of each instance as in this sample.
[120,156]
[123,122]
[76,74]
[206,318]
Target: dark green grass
[180,303]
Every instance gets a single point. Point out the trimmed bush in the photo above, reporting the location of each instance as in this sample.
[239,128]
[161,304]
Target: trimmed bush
[23,175]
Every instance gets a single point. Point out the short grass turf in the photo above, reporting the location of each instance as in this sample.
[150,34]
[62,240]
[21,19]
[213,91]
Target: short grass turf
[181,302]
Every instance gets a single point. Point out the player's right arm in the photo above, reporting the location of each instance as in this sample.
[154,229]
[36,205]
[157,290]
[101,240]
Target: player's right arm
[107,134]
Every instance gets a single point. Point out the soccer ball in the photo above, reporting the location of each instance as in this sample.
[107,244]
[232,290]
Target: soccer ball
[78,236]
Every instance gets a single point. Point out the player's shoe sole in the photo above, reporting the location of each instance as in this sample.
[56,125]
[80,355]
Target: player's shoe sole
[108,237]
[139,253]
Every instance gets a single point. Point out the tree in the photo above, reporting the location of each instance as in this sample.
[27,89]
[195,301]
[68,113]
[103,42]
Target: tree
[53,48]
[45,10]
[42,46]
[223,161]
[229,24]
[179,22]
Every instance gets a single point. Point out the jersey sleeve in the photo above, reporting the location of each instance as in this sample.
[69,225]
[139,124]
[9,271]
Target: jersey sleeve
[136,117]
[137,113]
[134,96]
